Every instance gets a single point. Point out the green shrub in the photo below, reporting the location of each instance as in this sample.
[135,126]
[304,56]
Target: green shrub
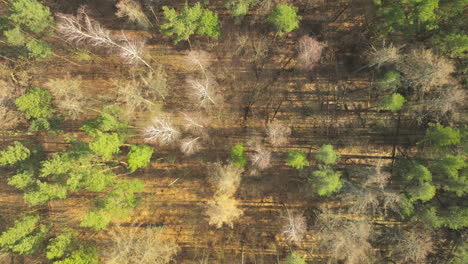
[191,20]
[15,37]
[22,180]
[327,155]
[84,255]
[35,104]
[326,182]
[96,220]
[30,13]
[294,258]
[108,121]
[44,192]
[440,136]
[25,236]
[239,8]
[14,154]
[423,192]
[297,159]
[59,245]
[455,45]
[106,145]
[139,157]
[457,218]
[39,49]
[393,102]
[284,18]
[117,204]
[238,157]
[391,80]
[40,124]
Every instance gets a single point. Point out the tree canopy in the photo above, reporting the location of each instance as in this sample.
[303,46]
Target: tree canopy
[191,20]
[284,18]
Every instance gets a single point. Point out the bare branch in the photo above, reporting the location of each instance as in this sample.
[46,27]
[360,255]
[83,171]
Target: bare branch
[204,91]
[295,228]
[310,51]
[161,131]
[190,146]
[278,133]
[226,179]
[223,209]
[133,11]
[261,157]
[142,245]
[199,59]
[82,28]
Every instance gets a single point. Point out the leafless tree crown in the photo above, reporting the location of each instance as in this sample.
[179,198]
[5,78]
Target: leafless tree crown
[310,51]
[140,245]
[225,178]
[278,133]
[199,59]
[223,209]
[412,246]
[295,228]
[83,29]
[385,55]
[190,146]
[261,157]
[204,91]
[345,240]
[68,95]
[161,131]
[133,11]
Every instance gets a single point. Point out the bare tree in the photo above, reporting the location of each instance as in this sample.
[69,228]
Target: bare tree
[161,131]
[68,95]
[82,28]
[382,56]
[133,11]
[156,82]
[140,245]
[223,209]
[9,116]
[425,70]
[135,96]
[261,157]
[190,146]
[344,240]
[413,245]
[278,133]
[195,124]
[204,91]
[377,177]
[372,197]
[225,178]
[199,59]
[310,51]
[295,228]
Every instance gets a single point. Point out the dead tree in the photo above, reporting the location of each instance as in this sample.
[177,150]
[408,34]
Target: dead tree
[81,28]
[161,131]
[140,245]
[278,133]
[310,51]
[190,146]
[204,91]
[295,228]
[133,11]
